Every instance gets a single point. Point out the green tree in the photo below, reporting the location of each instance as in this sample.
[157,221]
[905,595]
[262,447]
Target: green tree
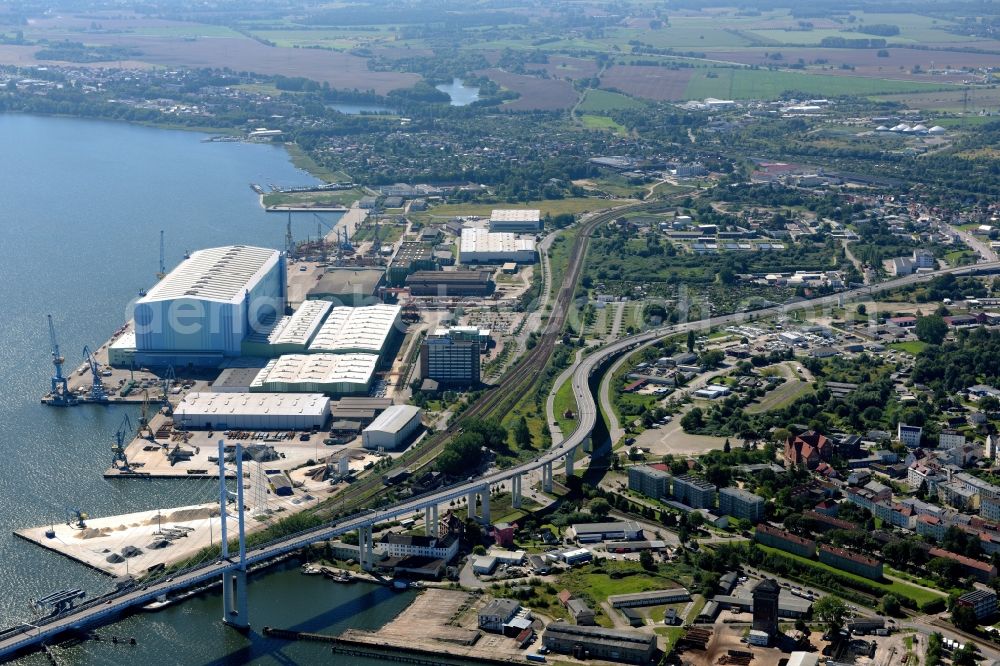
[522,433]
[599,507]
[964,618]
[690,341]
[890,605]
[831,611]
[931,329]
[646,560]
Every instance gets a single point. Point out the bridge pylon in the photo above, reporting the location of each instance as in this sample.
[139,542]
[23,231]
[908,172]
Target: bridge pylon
[235,607]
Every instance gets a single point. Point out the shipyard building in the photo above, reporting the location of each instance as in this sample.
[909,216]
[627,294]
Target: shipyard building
[479,246]
[253,411]
[330,374]
[516,221]
[203,310]
[367,330]
[290,334]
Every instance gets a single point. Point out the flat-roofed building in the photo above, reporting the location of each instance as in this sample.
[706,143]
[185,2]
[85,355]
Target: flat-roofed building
[651,598]
[649,481]
[742,504]
[204,308]
[694,492]
[364,330]
[450,284]
[479,246]
[982,602]
[451,356]
[348,286]
[516,220]
[392,428]
[331,374]
[623,645]
[593,532]
[361,409]
[290,334]
[253,411]
[411,256]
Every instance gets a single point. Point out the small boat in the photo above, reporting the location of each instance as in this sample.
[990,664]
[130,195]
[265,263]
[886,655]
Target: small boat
[311,569]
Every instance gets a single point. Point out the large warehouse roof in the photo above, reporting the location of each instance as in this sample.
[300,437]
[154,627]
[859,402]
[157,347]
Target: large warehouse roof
[252,404]
[394,418]
[317,369]
[481,240]
[215,274]
[515,215]
[356,329]
[301,326]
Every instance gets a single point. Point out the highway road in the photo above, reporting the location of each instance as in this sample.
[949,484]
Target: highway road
[106,608]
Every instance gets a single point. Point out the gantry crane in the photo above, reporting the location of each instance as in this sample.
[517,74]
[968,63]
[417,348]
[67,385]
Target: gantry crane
[60,394]
[119,459]
[97,392]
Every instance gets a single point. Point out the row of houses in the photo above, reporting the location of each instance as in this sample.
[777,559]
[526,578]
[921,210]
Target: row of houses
[838,558]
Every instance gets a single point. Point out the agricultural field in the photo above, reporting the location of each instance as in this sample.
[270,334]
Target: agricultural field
[566,67]
[648,82]
[536,94]
[591,121]
[602,101]
[756,84]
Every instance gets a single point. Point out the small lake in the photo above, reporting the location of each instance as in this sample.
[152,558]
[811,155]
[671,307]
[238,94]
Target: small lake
[461,95]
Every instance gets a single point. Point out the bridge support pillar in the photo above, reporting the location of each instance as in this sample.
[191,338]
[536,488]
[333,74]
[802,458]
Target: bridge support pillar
[515,492]
[435,521]
[235,610]
[547,477]
[486,504]
[472,505]
[365,554]
[570,459]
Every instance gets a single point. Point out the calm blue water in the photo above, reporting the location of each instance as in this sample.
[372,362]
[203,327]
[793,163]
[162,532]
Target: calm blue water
[460,94]
[83,203]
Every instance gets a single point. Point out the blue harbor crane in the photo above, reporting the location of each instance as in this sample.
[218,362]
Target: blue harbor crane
[97,392]
[59,394]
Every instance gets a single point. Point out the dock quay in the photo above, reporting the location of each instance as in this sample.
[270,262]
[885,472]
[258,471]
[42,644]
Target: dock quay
[404,654]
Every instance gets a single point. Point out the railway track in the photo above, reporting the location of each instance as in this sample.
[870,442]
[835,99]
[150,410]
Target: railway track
[515,382]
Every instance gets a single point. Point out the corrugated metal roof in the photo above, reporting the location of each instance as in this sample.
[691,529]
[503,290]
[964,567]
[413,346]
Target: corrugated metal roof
[216,274]
[300,328]
[276,404]
[365,328]
[318,368]
[394,418]
[481,240]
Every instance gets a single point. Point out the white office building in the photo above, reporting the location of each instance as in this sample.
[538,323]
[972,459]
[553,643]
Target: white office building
[202,310]
[909,436]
